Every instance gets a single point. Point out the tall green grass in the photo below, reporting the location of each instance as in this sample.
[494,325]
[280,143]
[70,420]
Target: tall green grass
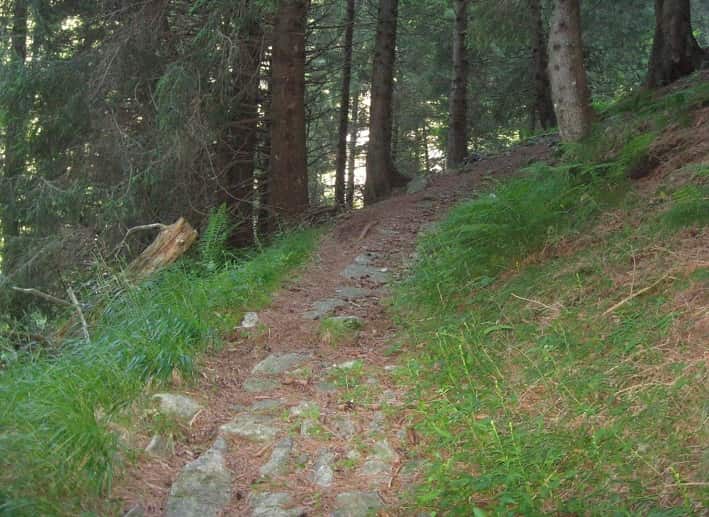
[59,448]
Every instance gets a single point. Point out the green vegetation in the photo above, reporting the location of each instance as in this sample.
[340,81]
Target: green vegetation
[340,331]
[61,415]
[562,369]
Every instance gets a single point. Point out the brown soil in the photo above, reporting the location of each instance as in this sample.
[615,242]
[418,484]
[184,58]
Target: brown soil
[390,228]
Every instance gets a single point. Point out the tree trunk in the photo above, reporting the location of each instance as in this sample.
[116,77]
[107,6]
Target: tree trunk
[241,137]
[289,175]
[542,109]
[344,107]
[572,100]
[15,141]
[380,165]
[353,151]
[675,52]
[458,108]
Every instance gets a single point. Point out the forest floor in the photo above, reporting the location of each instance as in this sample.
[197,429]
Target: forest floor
[302,416]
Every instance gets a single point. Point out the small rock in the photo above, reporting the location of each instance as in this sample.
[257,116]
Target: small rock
[305,408]
[390,398]
[366,258]
[160,446]
[266,406]
[322,308]
[276,364]
[175,405]
[348,365]
[249,321]
[417,184]
[259,384]
[203,488]
[379,464]
[270,504]
[343,426]
[251,427]
[136,511]
[326,387]
[361,272]
[279,458]
[354,293]
[376,425]
[323,474]
[357,504]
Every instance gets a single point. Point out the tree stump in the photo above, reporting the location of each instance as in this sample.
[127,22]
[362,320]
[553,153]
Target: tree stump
[172,241]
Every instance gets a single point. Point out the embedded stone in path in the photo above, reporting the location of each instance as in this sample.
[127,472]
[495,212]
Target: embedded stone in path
[180,406]
[322,308]
[349,322]
[379,463]
[323,474]
[251,427]
[379,275]
[279,458]
[274,504]
[343,426]
[366,258]
[260,384]
[305,408]
[203,488]
[357,504]
[276,364]
[249,321]
[355,293]
[266,406]
[161,446]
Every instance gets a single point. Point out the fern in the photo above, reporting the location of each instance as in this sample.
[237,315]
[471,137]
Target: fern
[212,244]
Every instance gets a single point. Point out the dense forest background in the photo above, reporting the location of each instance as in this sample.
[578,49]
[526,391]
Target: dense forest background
[116,114]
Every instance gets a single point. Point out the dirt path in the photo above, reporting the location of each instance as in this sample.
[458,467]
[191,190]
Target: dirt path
[293,421]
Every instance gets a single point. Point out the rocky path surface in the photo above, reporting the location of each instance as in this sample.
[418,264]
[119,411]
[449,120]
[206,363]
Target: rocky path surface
[300,414]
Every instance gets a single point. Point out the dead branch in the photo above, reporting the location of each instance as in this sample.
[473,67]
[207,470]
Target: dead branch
[635,295]
[42,294]
[77,306]
[142,227]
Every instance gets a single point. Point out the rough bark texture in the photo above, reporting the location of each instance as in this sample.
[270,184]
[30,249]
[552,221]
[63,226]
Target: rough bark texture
[572,102]
[289,177]
[241,137]
[344,107]
[14,143]
[458,108]
[542,109]
[354,126]
[675,52]
[380,165]
[167,247]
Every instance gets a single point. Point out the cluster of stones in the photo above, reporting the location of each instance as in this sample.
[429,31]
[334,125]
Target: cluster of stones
[204,486]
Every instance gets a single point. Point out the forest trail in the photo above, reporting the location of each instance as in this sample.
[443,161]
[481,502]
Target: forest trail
[302,416]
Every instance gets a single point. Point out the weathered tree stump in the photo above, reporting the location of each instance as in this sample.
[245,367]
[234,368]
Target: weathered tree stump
[172,241]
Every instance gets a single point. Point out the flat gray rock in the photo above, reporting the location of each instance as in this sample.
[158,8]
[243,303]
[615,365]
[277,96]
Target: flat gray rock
[349,322]
[323,308]
[366,258]
[417,184]
[260,384]
[306,407]
[355,293]
[203,488]
[378,464]
[274,504]
[323,475]
[357,504]
[175,405]
[266,406]
[279,458]
[249,321]
[276,364]
[161,446]
[343,426]
[251,427]
[379,275]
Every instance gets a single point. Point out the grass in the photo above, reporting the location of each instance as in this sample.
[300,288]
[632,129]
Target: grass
[59,416]
[547,378]
[338,331]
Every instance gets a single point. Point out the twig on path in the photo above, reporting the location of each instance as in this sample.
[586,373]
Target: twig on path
[366,229]
[636,294]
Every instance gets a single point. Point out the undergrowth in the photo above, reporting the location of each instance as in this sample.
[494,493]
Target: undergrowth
[60,416]
[559,365]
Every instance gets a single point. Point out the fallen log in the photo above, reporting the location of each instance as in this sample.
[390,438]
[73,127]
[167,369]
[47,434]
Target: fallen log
[172,241]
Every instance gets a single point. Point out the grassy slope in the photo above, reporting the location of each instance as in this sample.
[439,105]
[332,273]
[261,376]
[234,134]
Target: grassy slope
[532,396]
[61,417]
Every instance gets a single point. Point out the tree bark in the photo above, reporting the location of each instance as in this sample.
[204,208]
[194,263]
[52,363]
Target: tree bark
[675,52]
[458,107]
[572,100]
[354,126]
[381,173]
[241,136]
[542,109]
[14,141]
[289,176]
[344,107]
